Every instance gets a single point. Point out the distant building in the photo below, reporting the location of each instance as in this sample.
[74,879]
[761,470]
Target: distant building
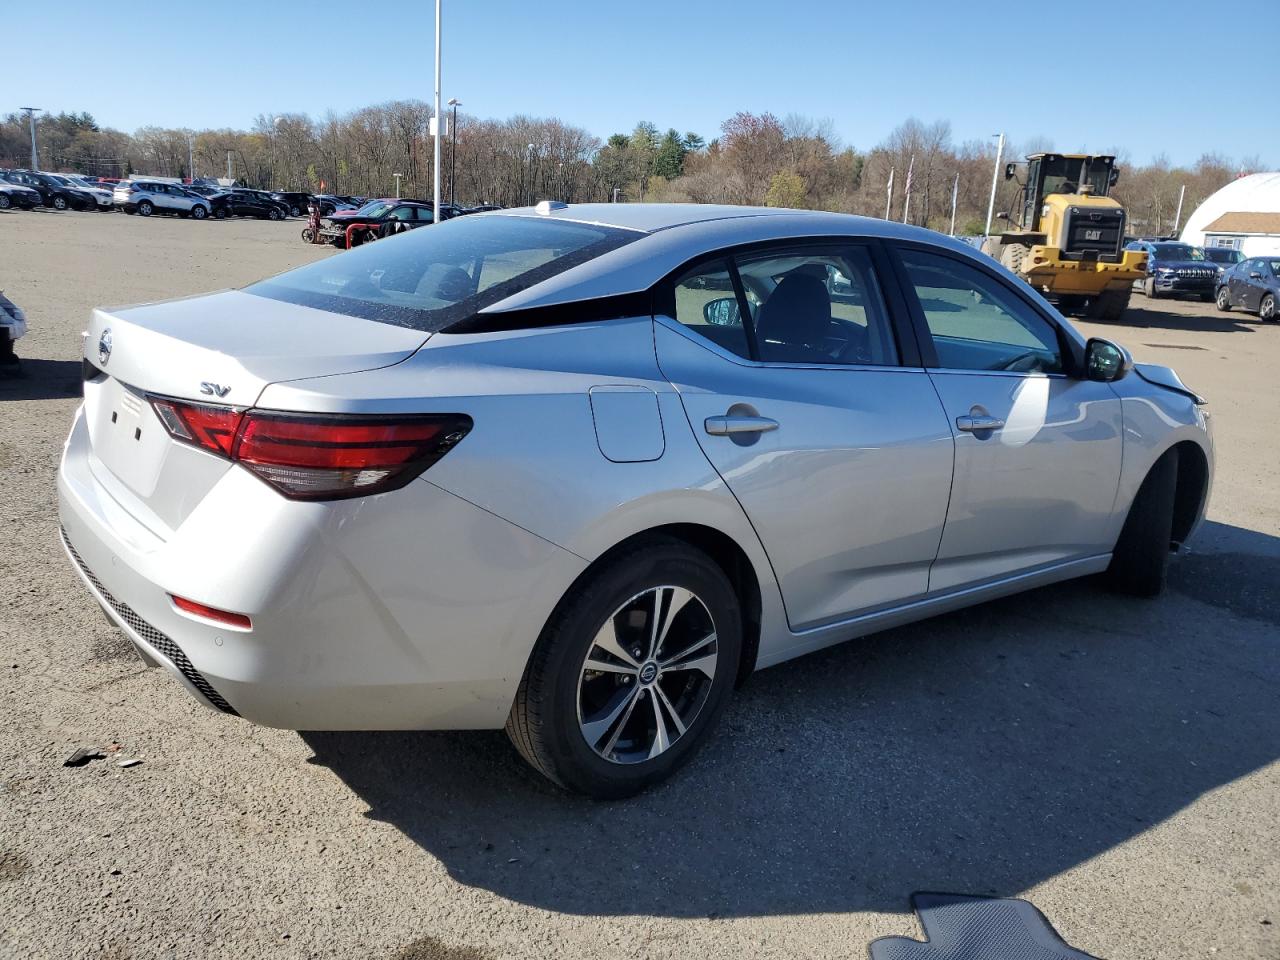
[1244,215]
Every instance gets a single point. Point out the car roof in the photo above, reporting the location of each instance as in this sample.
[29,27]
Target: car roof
[677,233]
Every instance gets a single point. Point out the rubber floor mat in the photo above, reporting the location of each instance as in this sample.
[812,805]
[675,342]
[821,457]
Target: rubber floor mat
[959,927]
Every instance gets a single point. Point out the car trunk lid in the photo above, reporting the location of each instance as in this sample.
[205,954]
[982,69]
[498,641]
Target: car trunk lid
[219,349]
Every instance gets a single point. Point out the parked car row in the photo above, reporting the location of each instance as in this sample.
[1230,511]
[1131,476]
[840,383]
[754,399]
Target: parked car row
[1210,273]
[21,188]
[384,217]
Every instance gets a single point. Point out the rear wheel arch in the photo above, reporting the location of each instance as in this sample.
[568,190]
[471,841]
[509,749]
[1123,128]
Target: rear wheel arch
[725,552]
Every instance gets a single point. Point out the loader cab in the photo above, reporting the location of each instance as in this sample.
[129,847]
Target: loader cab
[1058,173]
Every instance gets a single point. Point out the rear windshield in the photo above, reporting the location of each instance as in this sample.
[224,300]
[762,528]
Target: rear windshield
[433,277]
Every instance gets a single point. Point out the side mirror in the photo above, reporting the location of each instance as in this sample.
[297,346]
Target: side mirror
[722,312]
[1255,275]
[1010,170]
[1106,362]
[1114,178]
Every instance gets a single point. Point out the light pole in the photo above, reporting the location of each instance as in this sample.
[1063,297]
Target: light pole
[453,150]
[435,157]
[191,162]
[397,176]
[531,185]
[31,119]
[995,179]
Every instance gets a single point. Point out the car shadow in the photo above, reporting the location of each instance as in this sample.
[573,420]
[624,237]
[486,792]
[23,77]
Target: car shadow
[40,380]
[1211,321]
[983,751]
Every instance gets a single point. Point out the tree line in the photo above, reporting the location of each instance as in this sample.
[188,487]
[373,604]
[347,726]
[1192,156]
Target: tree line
[757,159]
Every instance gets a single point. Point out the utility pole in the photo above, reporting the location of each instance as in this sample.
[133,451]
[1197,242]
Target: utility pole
[191,163]
[906,205]
[397,176]
[229,177]
[955,195]
[453,150]
[995,179]
[435,171]
[31,119]
[888,203]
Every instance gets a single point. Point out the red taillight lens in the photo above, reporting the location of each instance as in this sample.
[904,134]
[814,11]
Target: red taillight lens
[202,425]
[317,457]
[238,620]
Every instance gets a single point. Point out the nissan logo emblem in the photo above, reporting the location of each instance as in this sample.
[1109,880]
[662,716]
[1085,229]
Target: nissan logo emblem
[104,347]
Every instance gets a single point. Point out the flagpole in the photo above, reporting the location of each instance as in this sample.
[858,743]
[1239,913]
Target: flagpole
[888,203]
[906,206]
[955,195]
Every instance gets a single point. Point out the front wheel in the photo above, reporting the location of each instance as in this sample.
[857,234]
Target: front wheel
[145,208]
[1150,289]
[1141,556]
[275,215]
[220,213]
[199,213]
[1267,309]
[631,673]
[1223,299]
[59,203]
[4,201]
[1109,305]
[308,235]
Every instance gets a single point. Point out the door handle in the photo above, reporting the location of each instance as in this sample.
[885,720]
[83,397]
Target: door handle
[725,426]
[972,424]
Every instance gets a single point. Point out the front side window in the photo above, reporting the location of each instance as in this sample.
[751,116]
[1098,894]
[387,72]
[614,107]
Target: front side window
[978,324]
[431,279]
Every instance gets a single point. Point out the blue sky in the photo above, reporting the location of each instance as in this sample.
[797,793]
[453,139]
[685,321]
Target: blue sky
[1136,80]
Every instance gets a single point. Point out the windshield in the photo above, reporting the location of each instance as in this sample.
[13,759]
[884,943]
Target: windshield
[429,279]
[1219,255]
[1178,251]
[374,208]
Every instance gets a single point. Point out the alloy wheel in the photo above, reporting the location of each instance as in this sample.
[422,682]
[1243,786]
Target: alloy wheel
[1224,301]
[647,675]
[1268,309]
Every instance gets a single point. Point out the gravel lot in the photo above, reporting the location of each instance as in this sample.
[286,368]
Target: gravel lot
[1113,760]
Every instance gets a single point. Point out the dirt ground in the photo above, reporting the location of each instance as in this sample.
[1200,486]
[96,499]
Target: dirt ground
[1113,760]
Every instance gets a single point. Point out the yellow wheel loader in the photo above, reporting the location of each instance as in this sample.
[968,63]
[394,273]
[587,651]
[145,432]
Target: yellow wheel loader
[1066,236]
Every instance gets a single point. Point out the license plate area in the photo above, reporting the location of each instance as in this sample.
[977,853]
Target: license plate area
[125,434]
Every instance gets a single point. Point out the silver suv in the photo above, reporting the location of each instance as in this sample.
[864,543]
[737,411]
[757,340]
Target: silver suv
[150,196]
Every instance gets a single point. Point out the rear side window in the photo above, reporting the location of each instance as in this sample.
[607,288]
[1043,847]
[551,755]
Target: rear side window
[706,303]
[431,279]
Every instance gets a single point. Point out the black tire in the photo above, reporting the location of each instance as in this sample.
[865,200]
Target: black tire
[59,203]
[1149,288]
[1012,256]
[295,212]
[275,214]
[4,201]
[145,208]
[1267,308]
[198,212]
[220,213]
[1141,556]
[544,722]
[308,235]
[1223,299]
[1109,305]
[339,242]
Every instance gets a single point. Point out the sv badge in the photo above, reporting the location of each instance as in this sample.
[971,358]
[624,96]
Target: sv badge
[213,389]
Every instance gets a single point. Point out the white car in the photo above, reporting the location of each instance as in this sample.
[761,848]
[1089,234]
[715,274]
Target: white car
[103,196]
[580,469]
[145,197]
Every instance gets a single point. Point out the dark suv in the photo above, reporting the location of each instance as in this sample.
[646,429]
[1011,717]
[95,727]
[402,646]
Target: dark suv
[296,201]
[1176,268]
[52,193]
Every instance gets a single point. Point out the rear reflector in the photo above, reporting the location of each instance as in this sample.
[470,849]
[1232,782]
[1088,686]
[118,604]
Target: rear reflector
[309,457]
[238,620]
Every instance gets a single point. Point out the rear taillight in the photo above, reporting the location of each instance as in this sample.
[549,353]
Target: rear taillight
[309,457]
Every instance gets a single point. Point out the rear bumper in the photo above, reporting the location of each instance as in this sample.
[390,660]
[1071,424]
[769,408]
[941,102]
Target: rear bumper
[1047,270]
[409,610]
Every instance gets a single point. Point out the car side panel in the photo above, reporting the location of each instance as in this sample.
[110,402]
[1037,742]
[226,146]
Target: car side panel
[533,457]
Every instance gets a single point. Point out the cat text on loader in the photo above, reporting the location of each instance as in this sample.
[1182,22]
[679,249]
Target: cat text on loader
[1066,236]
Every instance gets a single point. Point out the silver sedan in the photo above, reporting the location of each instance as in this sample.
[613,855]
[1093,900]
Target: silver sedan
[580,470]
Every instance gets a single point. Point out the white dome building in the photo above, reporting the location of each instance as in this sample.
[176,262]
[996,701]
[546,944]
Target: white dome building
[1244,215]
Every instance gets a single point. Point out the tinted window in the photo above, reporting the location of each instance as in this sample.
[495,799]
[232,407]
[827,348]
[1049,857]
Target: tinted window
[431,279]
[705,303]
[402,213]
[1177,251]
[976,322]
[817,307]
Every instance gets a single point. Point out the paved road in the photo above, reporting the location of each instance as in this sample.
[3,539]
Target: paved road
[1113,760]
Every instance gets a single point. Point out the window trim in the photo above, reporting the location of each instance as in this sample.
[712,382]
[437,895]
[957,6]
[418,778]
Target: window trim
[905,338]
[1071,350]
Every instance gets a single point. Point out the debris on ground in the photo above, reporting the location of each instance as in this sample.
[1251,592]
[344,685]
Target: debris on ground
[83,755]
[128,762]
